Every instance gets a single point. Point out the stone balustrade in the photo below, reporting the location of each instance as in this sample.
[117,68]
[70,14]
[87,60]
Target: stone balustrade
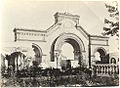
[105,69]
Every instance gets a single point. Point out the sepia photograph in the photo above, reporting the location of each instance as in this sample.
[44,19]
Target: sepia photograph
[59,43]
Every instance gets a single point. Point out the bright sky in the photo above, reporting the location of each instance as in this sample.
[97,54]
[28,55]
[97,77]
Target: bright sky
[67,50]
[38,15]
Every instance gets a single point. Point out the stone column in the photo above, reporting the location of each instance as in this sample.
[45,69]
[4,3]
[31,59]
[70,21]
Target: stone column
[80,59]
[93,60]
[89,51]
[15,64]
[19,62]
[56,56]
[22,61]
[78,56]
[6,64]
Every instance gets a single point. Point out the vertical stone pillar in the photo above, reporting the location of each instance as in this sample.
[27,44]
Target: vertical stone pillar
[93,60]
[80,59]
[56,57]
[2,64]
[6,64]
[84,59]
[89,50]
[78,56]
[15,64]
[21,61]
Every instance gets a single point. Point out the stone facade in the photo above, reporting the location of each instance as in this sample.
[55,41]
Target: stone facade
[66,29]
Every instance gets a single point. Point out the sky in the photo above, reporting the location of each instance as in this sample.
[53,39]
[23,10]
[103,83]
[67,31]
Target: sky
[38,15]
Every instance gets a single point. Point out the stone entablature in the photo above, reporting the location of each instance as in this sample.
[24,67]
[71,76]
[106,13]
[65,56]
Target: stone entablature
[37,35]
[29,35]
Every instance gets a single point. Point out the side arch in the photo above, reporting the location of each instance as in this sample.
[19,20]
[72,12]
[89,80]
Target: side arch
[103,58]
[100,48]
[113,60]
[35,45]
[38,53]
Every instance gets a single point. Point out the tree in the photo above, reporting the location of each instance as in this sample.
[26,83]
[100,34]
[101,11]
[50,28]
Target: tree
[113,21]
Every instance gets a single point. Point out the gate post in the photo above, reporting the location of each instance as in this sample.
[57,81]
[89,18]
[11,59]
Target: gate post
[89,49]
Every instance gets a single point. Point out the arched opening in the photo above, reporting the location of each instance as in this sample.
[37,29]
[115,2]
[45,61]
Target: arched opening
[100,56]
[15,61]
[37,54]
[67,51]
[113,61]
[97,56]
[71,45]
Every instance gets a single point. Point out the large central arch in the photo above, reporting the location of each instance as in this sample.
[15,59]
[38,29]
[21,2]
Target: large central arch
[72,39]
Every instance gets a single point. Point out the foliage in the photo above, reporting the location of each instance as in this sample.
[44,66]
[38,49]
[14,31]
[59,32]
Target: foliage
[70,80]
[51,77]
[112,21]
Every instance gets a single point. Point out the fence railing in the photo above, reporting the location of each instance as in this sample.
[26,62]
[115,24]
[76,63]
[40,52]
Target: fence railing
[105,69]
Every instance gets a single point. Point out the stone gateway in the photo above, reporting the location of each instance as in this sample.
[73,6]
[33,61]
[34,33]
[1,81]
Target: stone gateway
[47,45]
